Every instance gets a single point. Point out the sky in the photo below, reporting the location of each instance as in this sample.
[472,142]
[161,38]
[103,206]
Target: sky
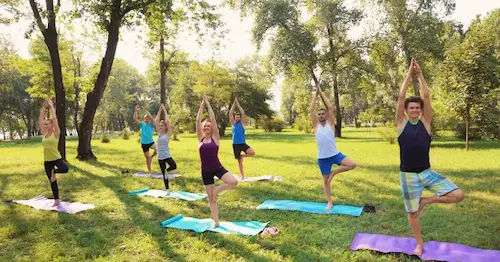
[237,43]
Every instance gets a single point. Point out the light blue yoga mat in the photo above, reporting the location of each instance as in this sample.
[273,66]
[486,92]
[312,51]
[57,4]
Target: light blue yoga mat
[311,207]
[162,193]
[249,228]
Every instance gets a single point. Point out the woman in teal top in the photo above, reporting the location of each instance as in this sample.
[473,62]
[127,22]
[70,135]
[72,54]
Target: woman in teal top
[52,158]
[147,142]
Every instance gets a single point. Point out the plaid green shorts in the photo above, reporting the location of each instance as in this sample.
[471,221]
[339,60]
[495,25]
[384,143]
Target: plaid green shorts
[412,185]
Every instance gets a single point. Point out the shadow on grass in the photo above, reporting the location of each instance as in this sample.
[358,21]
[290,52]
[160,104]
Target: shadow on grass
[151,227]
[474,145]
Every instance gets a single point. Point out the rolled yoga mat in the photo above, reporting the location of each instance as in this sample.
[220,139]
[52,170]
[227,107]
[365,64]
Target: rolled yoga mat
[433,250]
[158,176]
[43,203]
[311,207]
[249,228]
[173,194]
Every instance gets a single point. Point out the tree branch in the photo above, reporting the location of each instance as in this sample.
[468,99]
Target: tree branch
[38,18]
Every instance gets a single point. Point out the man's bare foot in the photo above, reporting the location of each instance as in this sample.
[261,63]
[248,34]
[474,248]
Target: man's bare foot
[56,202]
[423,202]
[215,225]
[330,178]
[419,250]
[329,206]
[53,175]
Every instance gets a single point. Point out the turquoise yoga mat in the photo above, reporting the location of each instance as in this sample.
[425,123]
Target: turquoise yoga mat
[311,207]
[162,193]
[248,228]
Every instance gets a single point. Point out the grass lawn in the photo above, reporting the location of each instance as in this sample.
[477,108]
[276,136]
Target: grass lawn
[124,228]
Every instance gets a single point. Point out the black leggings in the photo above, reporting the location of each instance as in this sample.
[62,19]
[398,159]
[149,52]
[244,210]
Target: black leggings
[171,166]
[62,167]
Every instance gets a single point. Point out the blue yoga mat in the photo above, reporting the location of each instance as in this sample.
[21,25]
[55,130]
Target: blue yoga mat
[311,207]
[249,228]
[174,194]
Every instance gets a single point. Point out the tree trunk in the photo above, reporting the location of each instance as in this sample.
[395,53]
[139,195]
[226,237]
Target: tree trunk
[338,117]
[163,70]
[76,73]
[467,123]
[94,97]
[50,38]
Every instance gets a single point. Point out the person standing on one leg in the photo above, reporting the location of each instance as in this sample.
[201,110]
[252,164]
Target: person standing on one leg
[147,142]
[238,121]
[51,156]
[324,129]
[164,130]
[208,137]
[414,143]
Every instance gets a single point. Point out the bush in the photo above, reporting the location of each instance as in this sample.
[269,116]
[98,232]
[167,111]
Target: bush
[125,134]
[303,124]
[388,133]
[273,124]
[105,138]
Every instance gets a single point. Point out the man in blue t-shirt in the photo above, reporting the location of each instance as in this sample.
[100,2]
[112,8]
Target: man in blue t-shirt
[147,142]
[238,120]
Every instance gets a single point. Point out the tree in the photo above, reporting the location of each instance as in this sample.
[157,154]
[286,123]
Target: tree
[414,28]
[164,22]
[331,21]
[470,71]
[15,102]
[50,37]
[109,16]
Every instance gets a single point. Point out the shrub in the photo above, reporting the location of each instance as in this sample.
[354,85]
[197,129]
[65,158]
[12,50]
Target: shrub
[273,124]
[388,133]
[303,124]
[125,134]
[105,138]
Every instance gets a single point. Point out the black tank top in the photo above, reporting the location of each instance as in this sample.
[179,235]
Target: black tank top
[414,145]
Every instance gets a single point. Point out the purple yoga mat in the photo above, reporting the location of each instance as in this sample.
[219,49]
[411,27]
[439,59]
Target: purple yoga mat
[158,176]
[43,203]
[433,250]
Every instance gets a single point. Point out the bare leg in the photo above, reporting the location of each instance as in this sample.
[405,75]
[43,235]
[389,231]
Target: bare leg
[454,196]
[345,165]
[154,150]
[148,161]
[228,182]
[249,153]
[413,220]
[240,164]
[212,201]
[328,192]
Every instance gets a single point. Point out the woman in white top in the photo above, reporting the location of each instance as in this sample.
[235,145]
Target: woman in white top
[328,154]
[164,131]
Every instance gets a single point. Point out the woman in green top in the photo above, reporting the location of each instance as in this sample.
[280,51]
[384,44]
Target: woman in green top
[51,156]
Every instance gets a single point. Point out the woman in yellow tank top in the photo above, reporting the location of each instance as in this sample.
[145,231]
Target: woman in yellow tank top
[52,158]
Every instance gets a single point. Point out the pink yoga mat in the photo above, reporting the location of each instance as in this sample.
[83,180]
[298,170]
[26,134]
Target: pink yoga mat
[433,250]
[43,203]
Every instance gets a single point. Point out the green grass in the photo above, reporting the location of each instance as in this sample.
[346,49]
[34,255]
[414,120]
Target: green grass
[123,228]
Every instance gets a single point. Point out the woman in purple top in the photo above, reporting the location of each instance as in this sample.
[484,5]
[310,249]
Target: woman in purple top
[208,135]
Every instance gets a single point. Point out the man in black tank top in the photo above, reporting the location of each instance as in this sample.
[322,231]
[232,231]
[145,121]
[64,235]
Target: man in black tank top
[414,143]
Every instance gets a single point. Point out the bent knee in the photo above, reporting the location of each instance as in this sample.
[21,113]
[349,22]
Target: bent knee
[233,183]
[459,195]
[350,165]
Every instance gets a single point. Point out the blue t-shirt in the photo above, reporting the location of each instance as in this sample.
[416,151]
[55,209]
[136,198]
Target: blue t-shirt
[147,133]
[238,133]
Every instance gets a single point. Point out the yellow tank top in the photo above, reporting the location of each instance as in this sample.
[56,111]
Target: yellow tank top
[50,151]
